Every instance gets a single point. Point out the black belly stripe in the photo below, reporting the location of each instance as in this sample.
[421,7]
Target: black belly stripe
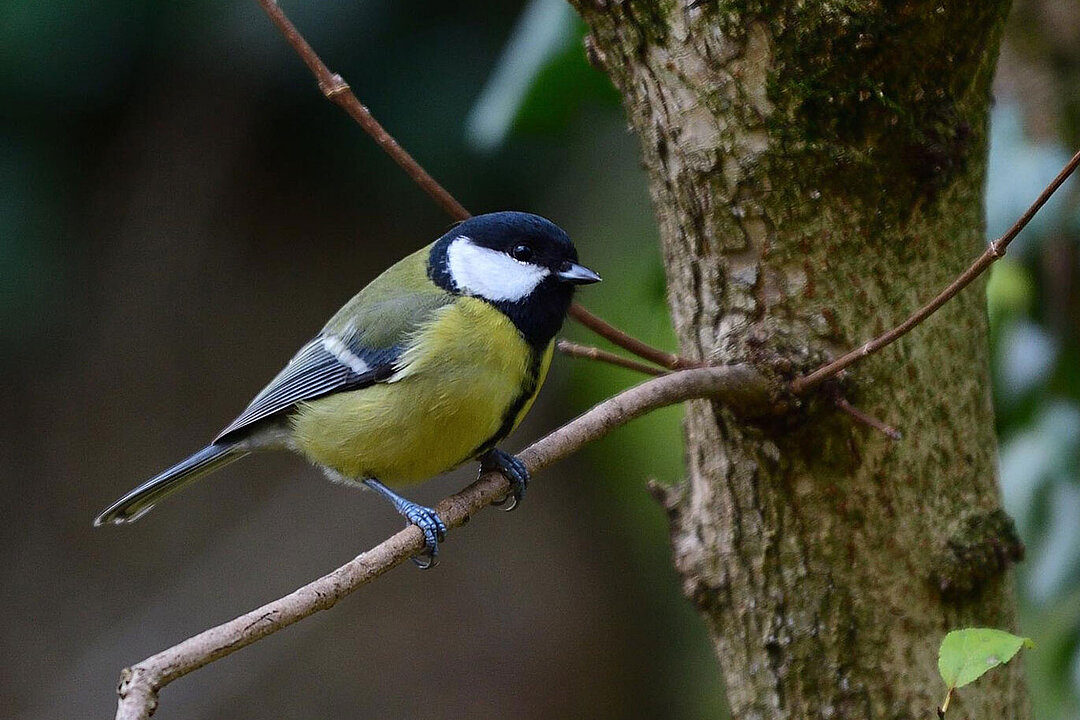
[529,391]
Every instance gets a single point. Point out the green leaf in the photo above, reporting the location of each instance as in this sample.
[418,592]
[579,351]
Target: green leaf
[966,654]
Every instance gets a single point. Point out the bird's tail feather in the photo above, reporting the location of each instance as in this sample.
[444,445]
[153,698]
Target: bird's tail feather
[142,499]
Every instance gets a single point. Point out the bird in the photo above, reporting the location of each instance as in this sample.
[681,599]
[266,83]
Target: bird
[432,364]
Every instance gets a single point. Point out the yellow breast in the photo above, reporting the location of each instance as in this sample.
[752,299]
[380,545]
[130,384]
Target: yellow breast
[461,376]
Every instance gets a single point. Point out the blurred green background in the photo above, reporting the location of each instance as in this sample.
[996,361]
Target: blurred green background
[180,209]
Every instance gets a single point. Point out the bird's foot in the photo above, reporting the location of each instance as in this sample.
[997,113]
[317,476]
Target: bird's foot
[423,517]
[513,469]
[432,526]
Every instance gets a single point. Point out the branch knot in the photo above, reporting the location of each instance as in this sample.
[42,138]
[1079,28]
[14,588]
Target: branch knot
[336,85]
[980,547]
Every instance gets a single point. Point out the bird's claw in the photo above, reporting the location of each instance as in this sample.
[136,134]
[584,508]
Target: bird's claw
[434,530]
[515,472]
[429,522]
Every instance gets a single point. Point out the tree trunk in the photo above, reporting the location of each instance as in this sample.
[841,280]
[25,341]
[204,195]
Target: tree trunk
[817,171]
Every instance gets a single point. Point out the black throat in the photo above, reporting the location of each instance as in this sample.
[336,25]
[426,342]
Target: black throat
[537,317]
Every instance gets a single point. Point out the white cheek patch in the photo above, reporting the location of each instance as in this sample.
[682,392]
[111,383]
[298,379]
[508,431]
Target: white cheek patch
[491,274]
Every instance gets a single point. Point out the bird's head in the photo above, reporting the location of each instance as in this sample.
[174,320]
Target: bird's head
[523,264]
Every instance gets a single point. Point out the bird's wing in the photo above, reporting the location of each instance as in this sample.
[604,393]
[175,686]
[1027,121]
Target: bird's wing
[358,347]
[327,364]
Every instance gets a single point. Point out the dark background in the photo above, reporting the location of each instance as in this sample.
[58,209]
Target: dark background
[180,210]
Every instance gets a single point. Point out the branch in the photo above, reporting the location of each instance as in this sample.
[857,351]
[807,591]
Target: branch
[588,352]
[867,419]
[994,251]
[337,91]
[739,386]
[334,87]
[668,360]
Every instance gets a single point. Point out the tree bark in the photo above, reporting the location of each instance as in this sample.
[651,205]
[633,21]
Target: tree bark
[817,171]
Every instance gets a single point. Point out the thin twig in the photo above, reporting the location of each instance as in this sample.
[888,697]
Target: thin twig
[334,87]
[867,419]
[337,90]
[668,360]
[589,352]
[740,386]
[994,251]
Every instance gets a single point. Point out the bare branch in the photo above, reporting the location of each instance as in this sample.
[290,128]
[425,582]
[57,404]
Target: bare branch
[867,419]
[668,360]
[587,352]
[994,251]
[740,386]
[337,91]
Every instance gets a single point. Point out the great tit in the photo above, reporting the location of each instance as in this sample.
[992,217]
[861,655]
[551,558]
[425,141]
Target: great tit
[429,366]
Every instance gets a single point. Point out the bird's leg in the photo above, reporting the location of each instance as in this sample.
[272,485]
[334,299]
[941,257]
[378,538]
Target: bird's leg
[425,518]
[512,469]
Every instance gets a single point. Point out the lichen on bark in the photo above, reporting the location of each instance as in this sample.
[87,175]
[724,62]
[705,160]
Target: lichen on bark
[817,170]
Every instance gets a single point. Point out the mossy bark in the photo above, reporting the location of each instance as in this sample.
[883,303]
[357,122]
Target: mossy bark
[817,172]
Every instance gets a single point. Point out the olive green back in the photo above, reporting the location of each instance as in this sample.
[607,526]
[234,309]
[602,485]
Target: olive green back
[393,305]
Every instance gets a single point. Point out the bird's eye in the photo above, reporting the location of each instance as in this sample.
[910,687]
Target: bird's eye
[522,253]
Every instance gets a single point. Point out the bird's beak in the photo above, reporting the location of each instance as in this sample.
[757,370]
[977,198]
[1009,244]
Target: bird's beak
[577,275]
